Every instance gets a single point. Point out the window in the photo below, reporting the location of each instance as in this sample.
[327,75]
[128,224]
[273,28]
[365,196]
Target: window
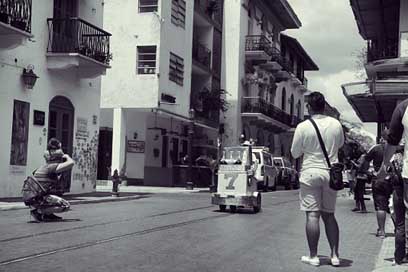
[146,59]
[178,12]
[176,72]
[19,136]
[147,5]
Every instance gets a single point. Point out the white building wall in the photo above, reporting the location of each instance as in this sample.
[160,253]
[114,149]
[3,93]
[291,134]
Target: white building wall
[235,27]
[136,161]
[83,93]
[122,86]
[179,41]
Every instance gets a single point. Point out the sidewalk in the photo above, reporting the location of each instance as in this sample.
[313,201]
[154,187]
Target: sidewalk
[103,194]
[386,255]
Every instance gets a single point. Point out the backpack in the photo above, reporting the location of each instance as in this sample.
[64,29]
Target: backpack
[32,190]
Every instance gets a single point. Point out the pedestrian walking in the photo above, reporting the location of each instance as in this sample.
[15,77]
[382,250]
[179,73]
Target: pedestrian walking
[398,133]
[359,190]
[48,176]
[381,190]
[317,199]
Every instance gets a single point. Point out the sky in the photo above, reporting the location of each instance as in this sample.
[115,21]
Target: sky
[329,34]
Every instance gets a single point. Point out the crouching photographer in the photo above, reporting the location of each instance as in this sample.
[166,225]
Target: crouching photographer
[48,177]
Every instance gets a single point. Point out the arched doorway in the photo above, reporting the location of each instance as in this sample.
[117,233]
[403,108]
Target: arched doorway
[292,104]
[60,125]
[298,109]
[283,99]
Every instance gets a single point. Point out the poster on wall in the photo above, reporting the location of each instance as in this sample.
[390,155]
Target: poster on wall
[404,44]
[82,129]
[19,134]
[135,146]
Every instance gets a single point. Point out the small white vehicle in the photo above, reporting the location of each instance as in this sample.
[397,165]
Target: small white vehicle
[266,172]
[237,186]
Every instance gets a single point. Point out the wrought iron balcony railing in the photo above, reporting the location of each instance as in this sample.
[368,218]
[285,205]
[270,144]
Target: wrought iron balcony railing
[389,51]
[202,54]
[74,35]
[258,43]
[16,13]
[286,64]
[259,105]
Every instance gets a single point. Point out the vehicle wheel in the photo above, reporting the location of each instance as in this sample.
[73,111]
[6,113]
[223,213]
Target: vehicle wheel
[273,188]
[266,186]
[258,206]
[233,209]
[223,207]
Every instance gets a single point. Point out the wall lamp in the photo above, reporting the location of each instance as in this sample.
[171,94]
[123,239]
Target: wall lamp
[29,77]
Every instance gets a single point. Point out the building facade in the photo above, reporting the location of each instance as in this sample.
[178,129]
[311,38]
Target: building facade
[61,45]
[384,25]
[163,88]
[264,74]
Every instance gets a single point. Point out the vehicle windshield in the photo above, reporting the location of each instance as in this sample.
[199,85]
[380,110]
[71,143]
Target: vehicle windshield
[277,162]
[234,155]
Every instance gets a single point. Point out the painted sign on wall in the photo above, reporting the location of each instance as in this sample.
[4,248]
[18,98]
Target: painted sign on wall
[135,146]
[19,136]
[82,128]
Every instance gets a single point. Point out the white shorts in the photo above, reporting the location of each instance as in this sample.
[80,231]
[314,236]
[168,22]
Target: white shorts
[315,192]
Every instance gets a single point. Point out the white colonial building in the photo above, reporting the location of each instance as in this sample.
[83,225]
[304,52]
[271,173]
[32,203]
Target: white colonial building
[167,66]
[264,74]
[63,44]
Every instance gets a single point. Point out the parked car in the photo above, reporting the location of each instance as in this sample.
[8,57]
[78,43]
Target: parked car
[267,172]
[287,174]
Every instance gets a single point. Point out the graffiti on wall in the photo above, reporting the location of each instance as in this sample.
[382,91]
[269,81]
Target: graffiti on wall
[85,154]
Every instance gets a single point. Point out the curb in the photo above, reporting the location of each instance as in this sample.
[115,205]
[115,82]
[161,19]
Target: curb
[20,206]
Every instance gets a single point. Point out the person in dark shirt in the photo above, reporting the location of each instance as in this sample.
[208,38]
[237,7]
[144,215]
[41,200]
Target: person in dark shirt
[381,190]
[397,134]
[56,163]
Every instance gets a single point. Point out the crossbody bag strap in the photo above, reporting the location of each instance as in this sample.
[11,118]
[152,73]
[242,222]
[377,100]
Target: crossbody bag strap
[321,141]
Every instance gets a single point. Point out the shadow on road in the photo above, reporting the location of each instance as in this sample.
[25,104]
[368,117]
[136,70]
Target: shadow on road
[325,260]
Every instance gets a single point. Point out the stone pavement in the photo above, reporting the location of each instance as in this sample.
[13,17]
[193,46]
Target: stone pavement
[103,194]
[353,225]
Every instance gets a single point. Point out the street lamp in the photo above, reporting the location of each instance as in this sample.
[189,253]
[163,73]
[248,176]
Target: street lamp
[29,77]
[190,183]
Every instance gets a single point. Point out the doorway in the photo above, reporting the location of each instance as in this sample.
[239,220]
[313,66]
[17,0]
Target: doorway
[60,126]
[104,153]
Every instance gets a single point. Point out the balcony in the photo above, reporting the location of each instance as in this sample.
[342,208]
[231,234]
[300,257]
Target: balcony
[15,22]
[388,52]
[384,62]
[275,63]
[286,65]
[201,58]
[255,106]
[258,48]
[75,43]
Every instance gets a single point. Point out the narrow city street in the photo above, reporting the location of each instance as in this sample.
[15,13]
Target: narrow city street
[181,232]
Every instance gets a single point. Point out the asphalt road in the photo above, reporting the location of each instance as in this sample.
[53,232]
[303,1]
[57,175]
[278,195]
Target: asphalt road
[180,232]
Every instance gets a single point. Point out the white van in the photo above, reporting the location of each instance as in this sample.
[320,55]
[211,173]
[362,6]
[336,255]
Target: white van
[266,172]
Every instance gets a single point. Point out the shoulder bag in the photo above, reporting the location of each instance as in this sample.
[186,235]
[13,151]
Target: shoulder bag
[336,169]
